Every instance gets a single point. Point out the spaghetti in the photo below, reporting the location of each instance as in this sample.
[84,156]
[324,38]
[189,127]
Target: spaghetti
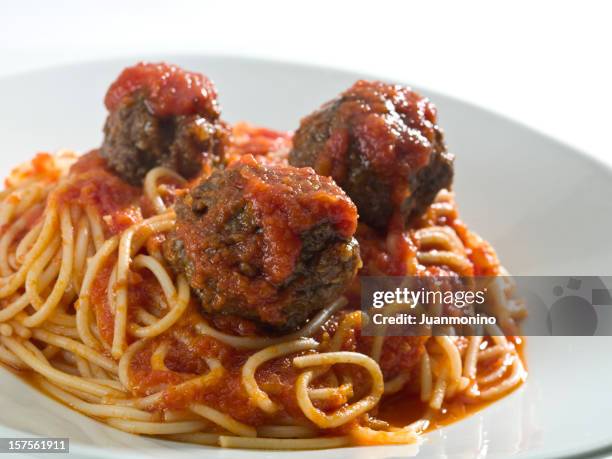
[90,307]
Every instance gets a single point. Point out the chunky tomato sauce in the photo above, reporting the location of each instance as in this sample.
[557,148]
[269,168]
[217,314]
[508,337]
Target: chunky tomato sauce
[168,89]
[266,145]
[90,183]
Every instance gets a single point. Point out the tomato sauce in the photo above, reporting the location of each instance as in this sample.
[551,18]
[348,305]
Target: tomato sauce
[187,356]
[90,183]
[168,89]
[286,214]
[143,291]
[266,145]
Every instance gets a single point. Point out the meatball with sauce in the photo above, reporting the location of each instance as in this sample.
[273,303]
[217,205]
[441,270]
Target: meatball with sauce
[161,115]
[381,144]
[272,244]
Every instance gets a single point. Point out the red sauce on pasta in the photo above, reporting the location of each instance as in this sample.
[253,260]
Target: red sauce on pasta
[91,184]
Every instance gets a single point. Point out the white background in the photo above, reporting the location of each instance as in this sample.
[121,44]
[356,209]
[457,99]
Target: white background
[546,64]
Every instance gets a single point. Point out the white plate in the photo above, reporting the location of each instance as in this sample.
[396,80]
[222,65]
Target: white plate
[545,207]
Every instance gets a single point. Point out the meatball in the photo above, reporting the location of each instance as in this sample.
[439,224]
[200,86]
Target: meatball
[161,115]
[381,144]
[270,244]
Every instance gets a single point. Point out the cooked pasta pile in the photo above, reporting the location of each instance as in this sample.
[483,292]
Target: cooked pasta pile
[89,306]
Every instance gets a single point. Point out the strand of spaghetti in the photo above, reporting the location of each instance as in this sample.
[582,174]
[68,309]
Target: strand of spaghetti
[29,197]
[126,358]
[66,368]
[14,281]
[153,265]
[12,262]
[151,189]
[27,242]
[18,201]
[215,373]
[426,377]
[95,224]
[471,357]
[440,237]
[90,398]
[32,282]
[63,278]
[98,372]
[94,409]
[83,314]
[147,402]
[349,323]
[344,390]
[283,443]
[158,357]
[223,420]
[362,435]
[7,239]
[68,332]
[62,318]
[498,307]
[456,262]
[109,383]
[493,352]
[346,413]
[178,301]
[250,343]
[198,438]
[180,415]
[7,208]
[153,248]
[80,252]
[125,252]
[145,317]
[439,390]
[154,225]
[50,351]
[34,350]
[453,356]
[8,358]
[18,305]
[83,367]
[43,367]
[517,375]
[258,396]
[396,384]
[496,334]
[76,348]
[494,375]
[156,428]
[110,289]
[377,344]
[273,431]
[20,330]
[379,340]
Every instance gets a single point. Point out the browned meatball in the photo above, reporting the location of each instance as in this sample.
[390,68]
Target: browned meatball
[381,144]
[271,244]
[161,115]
